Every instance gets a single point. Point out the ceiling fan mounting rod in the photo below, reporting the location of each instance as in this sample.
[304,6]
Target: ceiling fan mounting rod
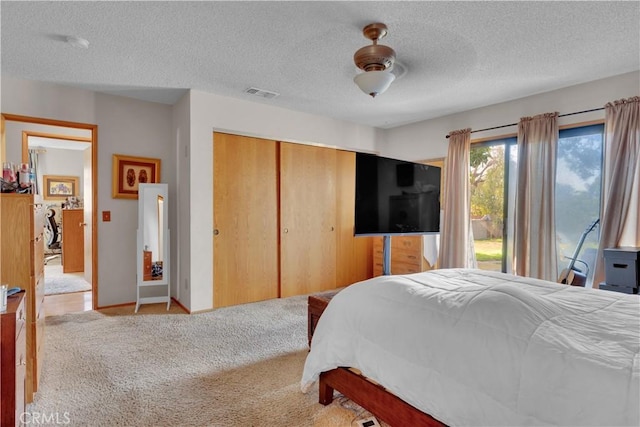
[375,31]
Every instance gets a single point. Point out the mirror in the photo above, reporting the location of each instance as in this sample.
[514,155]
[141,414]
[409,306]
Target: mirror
[152,223]
[153,242]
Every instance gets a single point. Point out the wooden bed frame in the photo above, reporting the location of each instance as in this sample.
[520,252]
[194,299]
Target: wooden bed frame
[372,397]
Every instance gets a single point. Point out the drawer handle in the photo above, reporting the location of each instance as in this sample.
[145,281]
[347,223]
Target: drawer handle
[411,257]
[22,361]
[21,316]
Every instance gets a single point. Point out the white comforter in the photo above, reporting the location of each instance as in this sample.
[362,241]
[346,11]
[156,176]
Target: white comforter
[474,347]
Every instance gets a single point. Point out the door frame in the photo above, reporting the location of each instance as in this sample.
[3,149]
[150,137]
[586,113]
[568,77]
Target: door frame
[94,182]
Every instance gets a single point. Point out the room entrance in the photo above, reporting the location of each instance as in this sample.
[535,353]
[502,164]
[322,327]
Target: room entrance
[20,134]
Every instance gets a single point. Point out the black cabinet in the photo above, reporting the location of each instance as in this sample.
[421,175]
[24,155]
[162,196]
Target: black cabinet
[622,269]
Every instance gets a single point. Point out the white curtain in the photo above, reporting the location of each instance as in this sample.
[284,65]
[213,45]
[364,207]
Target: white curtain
[456,243]
[534,252]
[619,219]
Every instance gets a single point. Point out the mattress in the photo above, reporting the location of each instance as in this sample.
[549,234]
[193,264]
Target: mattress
[473,347]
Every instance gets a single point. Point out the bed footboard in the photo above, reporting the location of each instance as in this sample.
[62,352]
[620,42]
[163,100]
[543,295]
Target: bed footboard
[374,398]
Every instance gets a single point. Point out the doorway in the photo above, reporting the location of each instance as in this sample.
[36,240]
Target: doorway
[54,138]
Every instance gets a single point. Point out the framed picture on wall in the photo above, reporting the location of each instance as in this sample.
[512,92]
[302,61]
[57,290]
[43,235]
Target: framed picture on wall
[129,171]
[58,187]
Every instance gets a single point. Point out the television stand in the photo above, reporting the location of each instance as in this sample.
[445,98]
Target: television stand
[386,255]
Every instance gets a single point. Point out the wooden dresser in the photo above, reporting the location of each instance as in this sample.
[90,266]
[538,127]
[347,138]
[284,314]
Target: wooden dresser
[22,222]
[13,359]
[406,255]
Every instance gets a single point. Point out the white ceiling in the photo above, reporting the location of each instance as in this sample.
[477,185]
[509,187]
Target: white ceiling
[458,55]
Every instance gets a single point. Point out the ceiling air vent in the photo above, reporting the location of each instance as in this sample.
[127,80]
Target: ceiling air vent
[261,93]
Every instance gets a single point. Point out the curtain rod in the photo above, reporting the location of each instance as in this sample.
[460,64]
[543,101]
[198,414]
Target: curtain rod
[514,124]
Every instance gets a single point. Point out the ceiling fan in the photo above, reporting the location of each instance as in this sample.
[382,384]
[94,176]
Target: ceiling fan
[376,61]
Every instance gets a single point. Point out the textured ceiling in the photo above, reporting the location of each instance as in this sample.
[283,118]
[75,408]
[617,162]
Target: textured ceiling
[458,55]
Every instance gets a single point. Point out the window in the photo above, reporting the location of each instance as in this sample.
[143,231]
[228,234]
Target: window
[578,187]
[492,197]
[578,181]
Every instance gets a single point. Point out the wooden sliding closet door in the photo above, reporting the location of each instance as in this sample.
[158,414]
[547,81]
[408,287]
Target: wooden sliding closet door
[354,257]
[307,219]
[245,241]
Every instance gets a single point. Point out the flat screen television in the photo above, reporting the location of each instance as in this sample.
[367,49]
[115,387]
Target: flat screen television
[396,197]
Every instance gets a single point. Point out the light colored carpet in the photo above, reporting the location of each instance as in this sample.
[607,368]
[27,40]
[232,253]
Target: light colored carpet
[235,366]
[57,282]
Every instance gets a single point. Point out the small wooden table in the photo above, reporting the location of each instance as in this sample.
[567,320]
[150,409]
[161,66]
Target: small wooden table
[316,305]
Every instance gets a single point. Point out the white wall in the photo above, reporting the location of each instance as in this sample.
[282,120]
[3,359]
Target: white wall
[179,216]
[427,139]
[212,112]
[136,128]
[39,99]
[62,162]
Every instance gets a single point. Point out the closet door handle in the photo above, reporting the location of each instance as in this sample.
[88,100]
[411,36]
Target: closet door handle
[216,231]
[285,231]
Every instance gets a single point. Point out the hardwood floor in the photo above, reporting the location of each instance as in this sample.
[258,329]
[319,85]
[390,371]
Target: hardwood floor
[67,303]
[55,305]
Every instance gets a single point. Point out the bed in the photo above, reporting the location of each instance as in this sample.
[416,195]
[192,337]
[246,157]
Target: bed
[472,347]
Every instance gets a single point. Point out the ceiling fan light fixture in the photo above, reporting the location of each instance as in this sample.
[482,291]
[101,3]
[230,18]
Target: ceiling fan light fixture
[374,82]
[376,61]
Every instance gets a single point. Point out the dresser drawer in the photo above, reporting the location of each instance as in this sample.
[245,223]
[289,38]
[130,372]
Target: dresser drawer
[13,360]
[404,268]
[400,242]
[377,268]
[38,219]
[39,293]
[39,329]
[407,242]
[400,254]
[40,325]
[37,256]
[21,373]
[397,268]
[407,256]
[21,320]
